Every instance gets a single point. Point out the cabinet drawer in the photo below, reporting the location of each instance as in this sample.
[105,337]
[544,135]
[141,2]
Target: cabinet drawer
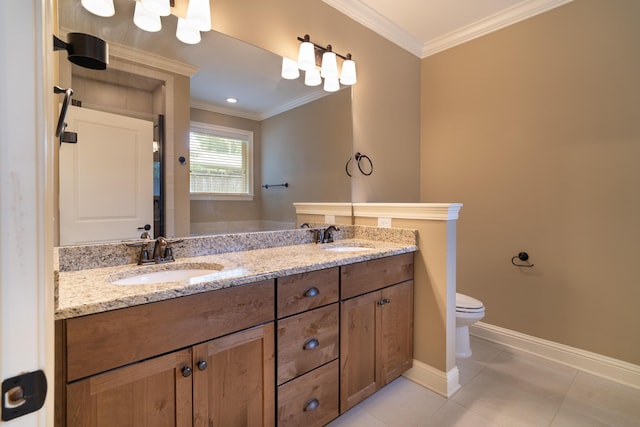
[307,341]
[104,341]
[304,291]
[310,400]
[363,277]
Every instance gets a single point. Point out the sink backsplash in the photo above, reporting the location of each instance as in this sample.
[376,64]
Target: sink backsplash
[72,258]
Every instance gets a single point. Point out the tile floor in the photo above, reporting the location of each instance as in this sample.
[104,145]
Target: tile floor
[502,388]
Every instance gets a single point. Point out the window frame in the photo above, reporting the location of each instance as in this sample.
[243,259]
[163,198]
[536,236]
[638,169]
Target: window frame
[225,132]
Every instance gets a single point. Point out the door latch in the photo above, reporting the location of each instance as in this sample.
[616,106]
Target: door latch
[23,394]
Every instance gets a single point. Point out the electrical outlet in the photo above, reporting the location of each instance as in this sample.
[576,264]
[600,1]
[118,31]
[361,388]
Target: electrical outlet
[384,222]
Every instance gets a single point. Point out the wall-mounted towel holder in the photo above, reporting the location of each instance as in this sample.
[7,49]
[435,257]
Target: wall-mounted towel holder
[359,158]
[522,256]
[286,185]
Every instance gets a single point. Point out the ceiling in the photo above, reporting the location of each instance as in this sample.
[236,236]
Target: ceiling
[425,27]
[231,68]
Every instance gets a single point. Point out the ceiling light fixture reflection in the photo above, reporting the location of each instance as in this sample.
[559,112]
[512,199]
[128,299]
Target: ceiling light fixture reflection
[158,7]
[187,33]
[103,8]
[146,20]
[199,14]
[147,15]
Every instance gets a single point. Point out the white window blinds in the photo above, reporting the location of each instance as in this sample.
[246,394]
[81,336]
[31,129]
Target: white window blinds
[220,160]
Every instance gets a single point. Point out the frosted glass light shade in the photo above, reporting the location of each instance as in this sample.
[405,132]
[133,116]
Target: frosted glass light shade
[331,84]
[99,7]
[306,56]
[290,69]
[348,75]
[329,65]
[146,20]
[187,33]
[199,14]
[159,7]
[312,77]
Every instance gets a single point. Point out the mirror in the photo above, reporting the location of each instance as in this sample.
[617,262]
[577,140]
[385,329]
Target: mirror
[302,136]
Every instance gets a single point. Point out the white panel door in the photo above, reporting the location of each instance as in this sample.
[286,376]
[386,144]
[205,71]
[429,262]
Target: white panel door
[106,178]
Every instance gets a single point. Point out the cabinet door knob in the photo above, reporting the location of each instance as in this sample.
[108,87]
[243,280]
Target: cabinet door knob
[202,365]
[311,405]
[311,292]
[310,344]
[186,371]
[381,302]
[386,300]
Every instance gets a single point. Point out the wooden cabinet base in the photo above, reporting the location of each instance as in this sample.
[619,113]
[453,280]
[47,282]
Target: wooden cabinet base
[310,400]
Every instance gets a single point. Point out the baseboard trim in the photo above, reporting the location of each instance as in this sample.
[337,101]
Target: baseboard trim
[443,383]
[593,363]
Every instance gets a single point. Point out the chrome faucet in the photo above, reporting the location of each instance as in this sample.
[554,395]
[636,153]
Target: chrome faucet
[327,235]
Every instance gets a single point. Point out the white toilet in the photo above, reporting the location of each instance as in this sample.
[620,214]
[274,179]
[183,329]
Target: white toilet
[468,311]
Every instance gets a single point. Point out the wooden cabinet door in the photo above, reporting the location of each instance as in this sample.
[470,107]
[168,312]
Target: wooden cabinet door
[396,333]
[358,359]
[150,393]
[237,386]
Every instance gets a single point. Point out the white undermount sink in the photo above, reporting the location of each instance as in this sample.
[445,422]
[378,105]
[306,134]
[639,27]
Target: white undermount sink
[172,273]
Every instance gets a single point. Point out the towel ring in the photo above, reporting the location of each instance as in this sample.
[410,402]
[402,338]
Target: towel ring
[359,157]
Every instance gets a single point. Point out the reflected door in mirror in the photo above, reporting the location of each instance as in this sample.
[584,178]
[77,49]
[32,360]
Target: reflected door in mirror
[106,178]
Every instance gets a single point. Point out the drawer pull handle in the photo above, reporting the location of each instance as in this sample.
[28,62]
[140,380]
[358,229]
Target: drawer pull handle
[311,405]
[310,344]
[202,365]
[186,371]
[311,292]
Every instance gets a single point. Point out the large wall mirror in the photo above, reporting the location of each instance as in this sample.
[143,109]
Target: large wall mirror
[302,135]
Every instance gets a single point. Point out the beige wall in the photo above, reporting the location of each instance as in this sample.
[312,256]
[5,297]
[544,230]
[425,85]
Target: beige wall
[386,99]
[536,130]
[306,147]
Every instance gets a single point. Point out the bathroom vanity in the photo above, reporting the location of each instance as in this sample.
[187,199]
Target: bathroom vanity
[284,346]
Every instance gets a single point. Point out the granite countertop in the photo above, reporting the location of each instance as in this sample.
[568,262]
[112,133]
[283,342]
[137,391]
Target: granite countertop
[84,292]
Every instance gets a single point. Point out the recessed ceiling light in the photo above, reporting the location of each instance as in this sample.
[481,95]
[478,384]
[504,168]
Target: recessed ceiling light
[232,100]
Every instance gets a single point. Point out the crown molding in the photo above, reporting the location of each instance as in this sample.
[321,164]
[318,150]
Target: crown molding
[149,59]
[495,22]
[426,211]
[363,14]
[152,60]
[310,97]
[201,105]
[294,103]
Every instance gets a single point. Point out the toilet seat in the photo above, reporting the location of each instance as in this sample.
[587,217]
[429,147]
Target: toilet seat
[467,304]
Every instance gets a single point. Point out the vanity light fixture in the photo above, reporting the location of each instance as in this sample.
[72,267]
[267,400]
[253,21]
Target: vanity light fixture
[148,12]
[102,8]
[145,19]
[309,55]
